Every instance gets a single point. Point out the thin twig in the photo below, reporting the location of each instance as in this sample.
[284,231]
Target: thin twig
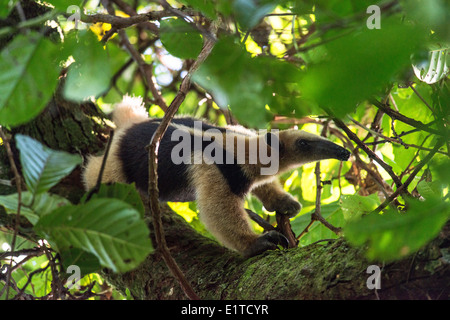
[153,191]
[259,220]
[369,152]
[421,98]
[412,122]
[125,7]
[316,215]
[145,69]
[411,177]
[124,22]
[186,17]
[396,140]
[284,227]
[18,182]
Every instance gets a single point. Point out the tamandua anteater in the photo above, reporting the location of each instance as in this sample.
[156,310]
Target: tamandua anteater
[216,166]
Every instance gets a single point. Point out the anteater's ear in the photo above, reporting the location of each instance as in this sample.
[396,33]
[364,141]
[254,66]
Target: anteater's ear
[273,141]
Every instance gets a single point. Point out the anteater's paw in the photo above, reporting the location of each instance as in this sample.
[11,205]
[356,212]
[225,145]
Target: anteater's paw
[267,241]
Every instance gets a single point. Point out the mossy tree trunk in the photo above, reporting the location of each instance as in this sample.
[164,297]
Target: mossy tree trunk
[325,270]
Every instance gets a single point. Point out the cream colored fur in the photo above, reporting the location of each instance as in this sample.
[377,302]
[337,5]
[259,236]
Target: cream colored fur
[126,113]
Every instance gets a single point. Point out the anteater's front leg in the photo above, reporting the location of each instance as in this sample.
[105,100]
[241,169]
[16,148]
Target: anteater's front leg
[274,198]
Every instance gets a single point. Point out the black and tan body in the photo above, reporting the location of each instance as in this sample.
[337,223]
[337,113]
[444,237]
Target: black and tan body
[218,186]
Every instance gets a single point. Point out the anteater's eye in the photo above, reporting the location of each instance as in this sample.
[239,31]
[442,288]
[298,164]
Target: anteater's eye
[302,143]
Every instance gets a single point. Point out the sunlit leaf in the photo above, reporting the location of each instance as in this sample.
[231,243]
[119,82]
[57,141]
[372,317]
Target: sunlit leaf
[355,205]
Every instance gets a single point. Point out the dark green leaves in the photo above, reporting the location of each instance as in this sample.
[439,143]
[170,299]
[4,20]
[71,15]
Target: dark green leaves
[26,83]
[247,84]
[124,192]
[90,74]
[207,7]
[42,167]
[180,38]
[249,12]
[392,235]
[62,5]
[5,9]
[33,206]
[360,64]
[107,228]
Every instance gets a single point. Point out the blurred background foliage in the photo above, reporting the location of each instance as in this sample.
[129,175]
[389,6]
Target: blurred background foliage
[275,65]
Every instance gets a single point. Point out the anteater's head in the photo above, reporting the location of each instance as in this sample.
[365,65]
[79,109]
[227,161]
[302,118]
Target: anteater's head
[298,147]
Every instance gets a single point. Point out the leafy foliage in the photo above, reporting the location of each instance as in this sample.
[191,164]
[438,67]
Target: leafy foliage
[42,167]
[180,38]
[108,228]
[275,64]
[22,70]
[394,235]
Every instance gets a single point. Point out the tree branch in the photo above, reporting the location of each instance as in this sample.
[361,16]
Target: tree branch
[145,70]
[124,22]
[398,116]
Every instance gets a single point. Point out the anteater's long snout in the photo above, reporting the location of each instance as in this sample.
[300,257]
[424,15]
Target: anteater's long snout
[343,154]
[331,150]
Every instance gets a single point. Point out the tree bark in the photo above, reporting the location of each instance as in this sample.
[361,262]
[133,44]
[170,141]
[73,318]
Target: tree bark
[324,270]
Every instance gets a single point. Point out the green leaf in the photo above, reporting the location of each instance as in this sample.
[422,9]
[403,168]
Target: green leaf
[6,9]
[430,189]
[207,7]
[87,262]
[223,73]
[43,167]
[64,4]
[355,205]
[267,83]
[392,235]
[180,38]
[90,74]
[121,191]
[110,229]
[32,207]
[360,65]
[250,12]
[29,69]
